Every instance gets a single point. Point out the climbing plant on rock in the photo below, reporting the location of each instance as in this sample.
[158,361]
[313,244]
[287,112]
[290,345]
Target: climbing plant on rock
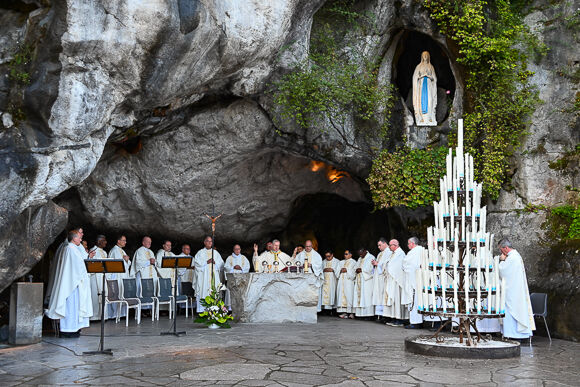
[407,177]
[337,81]
[489,36]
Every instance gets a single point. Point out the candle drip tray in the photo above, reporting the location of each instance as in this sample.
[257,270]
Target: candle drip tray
[448,345]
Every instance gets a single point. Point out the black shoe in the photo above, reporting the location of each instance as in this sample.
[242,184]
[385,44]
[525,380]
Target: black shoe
[414,326]
[69,335]
[396,323]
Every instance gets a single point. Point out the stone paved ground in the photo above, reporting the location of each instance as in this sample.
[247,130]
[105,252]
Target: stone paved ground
[333,352]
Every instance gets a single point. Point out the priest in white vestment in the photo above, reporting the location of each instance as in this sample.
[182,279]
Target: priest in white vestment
[165,251]
[312,263]
[186,274]
[412,263]
[70,301]
[345,286]
[118,252]
[54,263]
[97,281]
[330,272]
[144,265]
[379,274]
[237,262]
[258,259]
[275,259]
[395,290]
[363,286]
[207,269]
[518,322]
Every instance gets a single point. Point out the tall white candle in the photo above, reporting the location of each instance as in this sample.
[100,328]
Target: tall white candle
[460,134]
[462,223]
[483,220]
[466,288]
[502,303]
[496,283]
[478,276]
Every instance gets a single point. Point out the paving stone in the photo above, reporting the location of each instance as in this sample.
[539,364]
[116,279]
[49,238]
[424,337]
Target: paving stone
[228,372]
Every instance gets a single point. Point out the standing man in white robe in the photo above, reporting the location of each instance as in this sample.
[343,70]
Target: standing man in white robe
[237,262]
[345,286]
[258,259]
[379,274]
[118,252]
[518,322]
[165,251]
[314,260]
[363,286]
[395,288]
[330,272]
[271,257]
[97,281]
[411,264]
[144,266]
[70,301]
[185,274]
[207,269]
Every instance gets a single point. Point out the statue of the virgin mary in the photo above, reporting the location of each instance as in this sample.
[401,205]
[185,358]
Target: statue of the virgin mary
[425,92]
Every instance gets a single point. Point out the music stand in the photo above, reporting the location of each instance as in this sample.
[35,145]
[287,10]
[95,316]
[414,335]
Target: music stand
[175,262]
[103,266]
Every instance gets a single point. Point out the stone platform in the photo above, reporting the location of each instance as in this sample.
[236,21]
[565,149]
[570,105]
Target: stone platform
[334,352]
[449,346]
[273,298]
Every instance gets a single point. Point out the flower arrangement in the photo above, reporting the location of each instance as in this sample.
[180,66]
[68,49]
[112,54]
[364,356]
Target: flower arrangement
[215,309]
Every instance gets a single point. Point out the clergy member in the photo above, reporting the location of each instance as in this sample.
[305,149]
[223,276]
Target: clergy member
[144,265]
[237,262]
[395,288]
[312,257]
[165,251]
[379,274]
[330,271]
[518,322]
[186,274]
[208,266]
[345,286]
[275,259]
[71,296]
[118,252]
[258,259]
[411,264]
[97,281]
[363,286]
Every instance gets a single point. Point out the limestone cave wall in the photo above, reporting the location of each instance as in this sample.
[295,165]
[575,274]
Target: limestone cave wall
[152,112]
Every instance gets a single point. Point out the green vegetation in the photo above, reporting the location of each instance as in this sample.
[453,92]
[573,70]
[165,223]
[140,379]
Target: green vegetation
[407,177]
[563,223]
[18,66]
[499,97]
[337,81]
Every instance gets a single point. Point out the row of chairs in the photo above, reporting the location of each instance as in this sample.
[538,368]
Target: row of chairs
[148,297]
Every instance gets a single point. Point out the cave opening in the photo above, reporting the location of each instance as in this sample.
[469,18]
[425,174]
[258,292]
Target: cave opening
[335,223]
[408,55]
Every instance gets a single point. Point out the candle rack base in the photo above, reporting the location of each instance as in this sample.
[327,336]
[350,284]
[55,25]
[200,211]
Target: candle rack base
[445,345]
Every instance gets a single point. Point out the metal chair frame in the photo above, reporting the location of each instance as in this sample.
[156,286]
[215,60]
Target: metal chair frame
[535,299]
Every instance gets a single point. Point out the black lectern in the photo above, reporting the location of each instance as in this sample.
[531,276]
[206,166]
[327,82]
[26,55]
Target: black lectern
[103,266]
[175,262]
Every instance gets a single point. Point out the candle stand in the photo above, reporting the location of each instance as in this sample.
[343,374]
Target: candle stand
[458,280]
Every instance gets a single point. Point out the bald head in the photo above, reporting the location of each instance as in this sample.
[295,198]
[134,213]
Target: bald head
[393,244]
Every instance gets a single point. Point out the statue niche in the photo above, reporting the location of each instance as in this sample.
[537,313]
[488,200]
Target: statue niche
[425,92]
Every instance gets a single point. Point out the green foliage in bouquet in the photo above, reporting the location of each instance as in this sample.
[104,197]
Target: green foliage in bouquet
[215,309]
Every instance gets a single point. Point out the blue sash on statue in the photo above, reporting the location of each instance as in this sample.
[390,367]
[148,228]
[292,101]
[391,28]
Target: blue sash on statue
[425,96]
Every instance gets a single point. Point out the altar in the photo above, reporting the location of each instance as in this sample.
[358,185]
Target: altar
[273,297]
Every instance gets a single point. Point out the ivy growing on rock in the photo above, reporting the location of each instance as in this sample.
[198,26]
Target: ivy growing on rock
[337,81]
[499,96]
[407,177]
